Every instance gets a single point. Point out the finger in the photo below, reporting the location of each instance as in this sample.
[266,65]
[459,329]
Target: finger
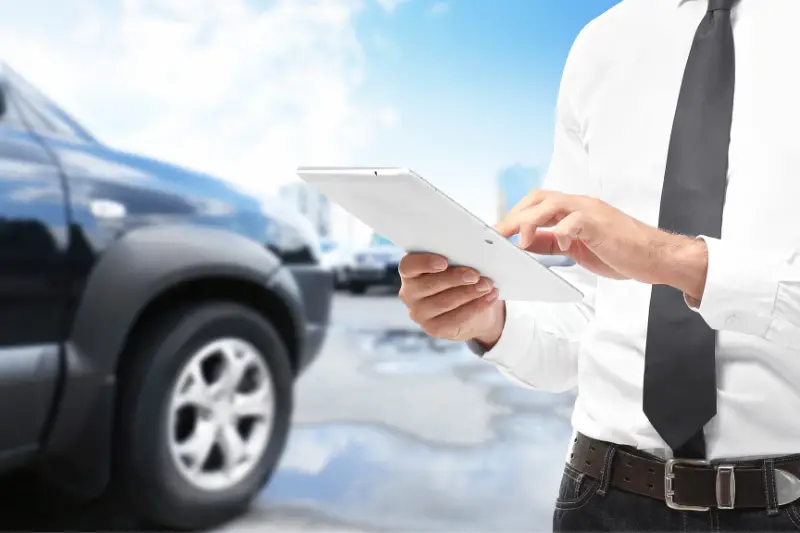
[450,325]
[545,243]
[570,227]
[508,225]
[425,285]
[534,197]
[527,221]
[526,235]
[446,301]
[417,264]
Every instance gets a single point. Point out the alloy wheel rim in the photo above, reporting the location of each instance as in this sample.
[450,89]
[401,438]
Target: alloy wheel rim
[220,414]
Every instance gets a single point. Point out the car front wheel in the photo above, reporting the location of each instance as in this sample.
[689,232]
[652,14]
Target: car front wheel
[204,414]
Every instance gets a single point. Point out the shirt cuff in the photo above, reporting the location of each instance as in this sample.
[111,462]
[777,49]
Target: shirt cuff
[513,340]
[741,288]
[476,348]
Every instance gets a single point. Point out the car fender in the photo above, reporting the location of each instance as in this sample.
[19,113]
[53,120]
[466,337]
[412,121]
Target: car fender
[131,273]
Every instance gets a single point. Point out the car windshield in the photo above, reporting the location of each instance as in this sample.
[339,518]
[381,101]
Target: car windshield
[47,114]
[380,240]
[328,246]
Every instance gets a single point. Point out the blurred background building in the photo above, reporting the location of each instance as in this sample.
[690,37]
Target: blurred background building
[310,203]
[513,183]
[329,220]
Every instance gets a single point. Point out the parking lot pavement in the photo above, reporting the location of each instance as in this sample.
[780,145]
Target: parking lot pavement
[397,432]
[394,431]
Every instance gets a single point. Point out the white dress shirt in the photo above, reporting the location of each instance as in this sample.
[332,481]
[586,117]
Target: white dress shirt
[614,117]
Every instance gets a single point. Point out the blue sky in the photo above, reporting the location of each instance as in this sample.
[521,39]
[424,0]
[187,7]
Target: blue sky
[473,85]
[250,89]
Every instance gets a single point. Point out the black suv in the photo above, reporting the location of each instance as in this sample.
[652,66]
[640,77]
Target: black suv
[153,321]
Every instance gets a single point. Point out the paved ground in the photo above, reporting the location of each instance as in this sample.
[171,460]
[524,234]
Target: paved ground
[395,432]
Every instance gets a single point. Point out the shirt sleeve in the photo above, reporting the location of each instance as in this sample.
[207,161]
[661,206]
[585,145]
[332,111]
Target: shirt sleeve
[753,291]
[539,343]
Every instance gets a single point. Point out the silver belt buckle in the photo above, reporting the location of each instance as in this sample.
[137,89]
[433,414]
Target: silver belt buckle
[669,477]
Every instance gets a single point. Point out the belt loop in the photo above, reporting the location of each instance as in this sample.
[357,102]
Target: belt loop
[605,473]
[770,489]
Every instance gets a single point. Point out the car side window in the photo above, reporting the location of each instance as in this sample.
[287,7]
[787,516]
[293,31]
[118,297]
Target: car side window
[20,114]
[11,115]
[40,113]
[25,116]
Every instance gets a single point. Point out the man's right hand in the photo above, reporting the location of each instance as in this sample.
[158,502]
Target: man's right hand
[453,303]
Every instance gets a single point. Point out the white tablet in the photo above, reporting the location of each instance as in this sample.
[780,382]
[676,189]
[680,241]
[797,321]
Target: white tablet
[418,217]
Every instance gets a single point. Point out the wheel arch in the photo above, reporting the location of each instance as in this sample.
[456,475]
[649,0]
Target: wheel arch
[263,299]
[145,272]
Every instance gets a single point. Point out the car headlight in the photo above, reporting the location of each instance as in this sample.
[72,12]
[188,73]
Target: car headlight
[290,235]
[284,237]
[289,244]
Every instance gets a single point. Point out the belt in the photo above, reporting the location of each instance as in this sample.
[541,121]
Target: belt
[690,484]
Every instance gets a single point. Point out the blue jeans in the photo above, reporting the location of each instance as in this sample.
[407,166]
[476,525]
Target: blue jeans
[586,504]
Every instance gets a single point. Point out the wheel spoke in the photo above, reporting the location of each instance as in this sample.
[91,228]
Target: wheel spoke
[256,404]
[194,390]
[233,370]
[233,448]
[199,444]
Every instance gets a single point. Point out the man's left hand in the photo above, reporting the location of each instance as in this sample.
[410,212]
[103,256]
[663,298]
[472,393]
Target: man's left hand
[606,241]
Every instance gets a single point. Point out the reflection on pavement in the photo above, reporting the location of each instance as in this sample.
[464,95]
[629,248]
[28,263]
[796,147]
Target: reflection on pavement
[375,476]
[406,341]
[404,351]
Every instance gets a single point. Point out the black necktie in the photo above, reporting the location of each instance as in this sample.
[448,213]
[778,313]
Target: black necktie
[680,391]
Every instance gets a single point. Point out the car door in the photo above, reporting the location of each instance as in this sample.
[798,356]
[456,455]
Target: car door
[33,241]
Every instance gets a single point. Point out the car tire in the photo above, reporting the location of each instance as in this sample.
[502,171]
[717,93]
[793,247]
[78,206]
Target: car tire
[357,288]
[340,281]
[151,480]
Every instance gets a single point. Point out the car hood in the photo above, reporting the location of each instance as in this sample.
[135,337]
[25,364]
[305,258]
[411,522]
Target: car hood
[190,181]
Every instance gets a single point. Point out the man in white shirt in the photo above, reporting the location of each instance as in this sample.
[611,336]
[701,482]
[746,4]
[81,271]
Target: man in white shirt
[694,328]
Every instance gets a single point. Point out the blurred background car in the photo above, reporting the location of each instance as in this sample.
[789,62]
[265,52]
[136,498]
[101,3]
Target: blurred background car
[375,266]
[554,260]
[338,257]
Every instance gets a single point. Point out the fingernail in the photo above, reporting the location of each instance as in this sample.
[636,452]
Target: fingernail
[492,296]
[470,276]
[439,264]
[483,286]
[564,243]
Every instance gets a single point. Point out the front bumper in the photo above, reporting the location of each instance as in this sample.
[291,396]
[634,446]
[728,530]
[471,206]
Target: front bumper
[374,275]
[317,290]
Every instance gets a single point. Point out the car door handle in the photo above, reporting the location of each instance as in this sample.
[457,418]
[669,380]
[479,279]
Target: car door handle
[107,209]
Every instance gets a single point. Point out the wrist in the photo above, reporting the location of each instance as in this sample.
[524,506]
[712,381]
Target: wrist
[487,339]
[684,266]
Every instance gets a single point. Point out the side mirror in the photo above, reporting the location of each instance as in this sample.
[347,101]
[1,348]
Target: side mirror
[2,101]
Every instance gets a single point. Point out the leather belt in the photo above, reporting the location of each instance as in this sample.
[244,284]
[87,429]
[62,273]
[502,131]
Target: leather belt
[684,484]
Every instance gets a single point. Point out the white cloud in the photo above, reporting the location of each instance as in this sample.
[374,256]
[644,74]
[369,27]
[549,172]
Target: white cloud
[391,5]
[388,117]
[226,87]
[439,8]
